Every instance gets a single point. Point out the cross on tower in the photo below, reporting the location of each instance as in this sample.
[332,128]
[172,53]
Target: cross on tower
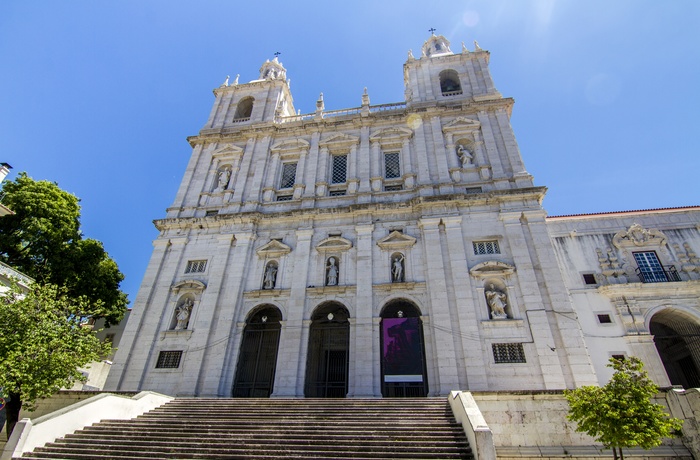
[277,53]
[432,30]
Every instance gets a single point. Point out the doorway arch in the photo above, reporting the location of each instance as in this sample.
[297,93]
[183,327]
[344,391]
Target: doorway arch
[327,356]
[257,359]
[677,338]
[403,367]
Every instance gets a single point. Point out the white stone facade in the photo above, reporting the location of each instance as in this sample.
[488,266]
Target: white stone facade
[421,208]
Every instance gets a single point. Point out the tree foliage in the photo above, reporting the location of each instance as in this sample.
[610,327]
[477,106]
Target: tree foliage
[43,240]
[621,413]
[42,345]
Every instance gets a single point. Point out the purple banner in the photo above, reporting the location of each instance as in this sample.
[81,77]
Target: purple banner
[402,353]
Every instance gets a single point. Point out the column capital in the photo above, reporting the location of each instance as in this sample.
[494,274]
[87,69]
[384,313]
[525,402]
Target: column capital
[305,233]
[245,236]
[183,240]
[510,217]
[364,229]
[429,223]
[161,243]
[452,221]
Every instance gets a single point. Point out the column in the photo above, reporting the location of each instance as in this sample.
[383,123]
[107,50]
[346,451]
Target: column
[245,168]
[269,189]
[322,172]
[376,161]
[291,363]
[472,78]
[361,339]
[409,173]
[439,143]
[312,166]
[440,335]
[465,318]
[299,184]
[260,156]
[422,165]
[492,156]
[352,178]
[363,161]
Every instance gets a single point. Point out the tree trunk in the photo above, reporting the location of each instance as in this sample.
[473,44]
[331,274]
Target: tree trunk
[622,456]
[614,452]
[12,408]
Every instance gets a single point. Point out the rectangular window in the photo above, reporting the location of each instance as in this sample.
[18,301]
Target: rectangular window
[212,213]
[472,190]
[604,319]
[649,267]
[196,266]
[393,188]
[589,278]
[486,247]
[339,173]
[284,197]
[392,165]
[508,353]
[337,193]
[169,360]
[289,172]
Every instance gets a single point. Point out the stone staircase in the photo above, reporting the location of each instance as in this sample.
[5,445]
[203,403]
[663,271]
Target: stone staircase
[198,428]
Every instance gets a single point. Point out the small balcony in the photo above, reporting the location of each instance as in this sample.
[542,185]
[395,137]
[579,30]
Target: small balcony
[660,274]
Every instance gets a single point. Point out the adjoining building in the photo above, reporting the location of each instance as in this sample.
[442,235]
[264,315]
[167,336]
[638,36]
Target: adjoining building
[396,250]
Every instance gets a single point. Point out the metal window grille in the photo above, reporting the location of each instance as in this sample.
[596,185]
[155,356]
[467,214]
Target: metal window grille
[169,360]
[196,266]
[289,172]
[486,247]
[284,197]
[392,165]
[508,353]
[337,193]
[650,269]
[340,169]
[471,190]
[393,188]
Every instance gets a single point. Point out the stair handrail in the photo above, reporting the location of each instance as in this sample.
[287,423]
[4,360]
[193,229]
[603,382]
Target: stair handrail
[28,435]
[479,435]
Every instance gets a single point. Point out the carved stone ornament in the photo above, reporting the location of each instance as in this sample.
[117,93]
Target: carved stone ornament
[391,135]
[227,153]
[334,244]
[491,268]
[290,146]
[188,285]
[396,240]
[461,125]
[274,248]
[639,236]
[339,140]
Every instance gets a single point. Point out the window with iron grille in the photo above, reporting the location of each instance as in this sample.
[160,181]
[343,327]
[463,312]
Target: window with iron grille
[392,165]
[393,188]
[289,172]
[486,247]
[196,266]
[169,359]
[337,193]
[340,169]
[470,190]
[284,197]
[508,353]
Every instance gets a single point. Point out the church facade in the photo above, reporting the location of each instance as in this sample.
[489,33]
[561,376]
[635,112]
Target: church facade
[395,250]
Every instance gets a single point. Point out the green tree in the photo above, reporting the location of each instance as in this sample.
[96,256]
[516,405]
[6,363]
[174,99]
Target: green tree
[43,240]
[621,414]
[42,345]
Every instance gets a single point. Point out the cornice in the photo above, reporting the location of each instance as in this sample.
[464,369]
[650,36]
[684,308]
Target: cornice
[640,291]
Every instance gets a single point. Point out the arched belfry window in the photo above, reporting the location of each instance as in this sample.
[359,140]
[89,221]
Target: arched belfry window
[244,109]
[449,83]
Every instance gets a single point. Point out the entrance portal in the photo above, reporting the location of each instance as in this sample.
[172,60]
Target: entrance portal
[677,338]
[403,353]
[327,358]
[255,372]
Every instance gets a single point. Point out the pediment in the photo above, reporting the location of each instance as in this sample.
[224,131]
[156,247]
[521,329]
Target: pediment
[274,248]
[639,236]
[340,140]
[228,152]
[391,134]
[461,124]
[396,240]
[188,285]
[491,268]
[334,244]
[290,145]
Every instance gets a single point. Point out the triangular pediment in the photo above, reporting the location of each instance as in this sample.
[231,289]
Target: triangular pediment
[340,140]
[334,244]
[396,240]
[188,285]
[391,134]
[274,248]
[227,152]
[290,145]
[491,268]
[461,124]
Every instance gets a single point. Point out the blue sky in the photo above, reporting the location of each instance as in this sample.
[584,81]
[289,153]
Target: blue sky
[100,96]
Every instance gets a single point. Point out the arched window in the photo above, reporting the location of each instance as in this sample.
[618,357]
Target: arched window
[244,109]
[449,83]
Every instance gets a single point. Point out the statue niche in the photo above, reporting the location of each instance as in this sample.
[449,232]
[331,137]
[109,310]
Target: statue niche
[332,271]
[398,272]
[183,311]
[464,150]
[270,278]
[223,178]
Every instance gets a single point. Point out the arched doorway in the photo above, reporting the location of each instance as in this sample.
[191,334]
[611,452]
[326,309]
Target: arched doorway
[327,356]
[403,351]
[677,339]
[257,360]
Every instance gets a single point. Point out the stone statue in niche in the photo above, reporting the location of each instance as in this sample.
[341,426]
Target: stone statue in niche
[465,156]
[497,301]
[270,276]
[332,272]
[183,314]
[397,269]
[224,177]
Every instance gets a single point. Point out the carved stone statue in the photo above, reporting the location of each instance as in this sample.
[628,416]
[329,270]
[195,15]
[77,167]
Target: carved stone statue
[183,314]
[224,177]
[270,276]
[464,156]
[331,272]
[497,301]
[397,272]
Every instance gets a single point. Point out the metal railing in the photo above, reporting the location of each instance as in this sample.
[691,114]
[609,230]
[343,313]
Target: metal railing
[663,274]
[343,112]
